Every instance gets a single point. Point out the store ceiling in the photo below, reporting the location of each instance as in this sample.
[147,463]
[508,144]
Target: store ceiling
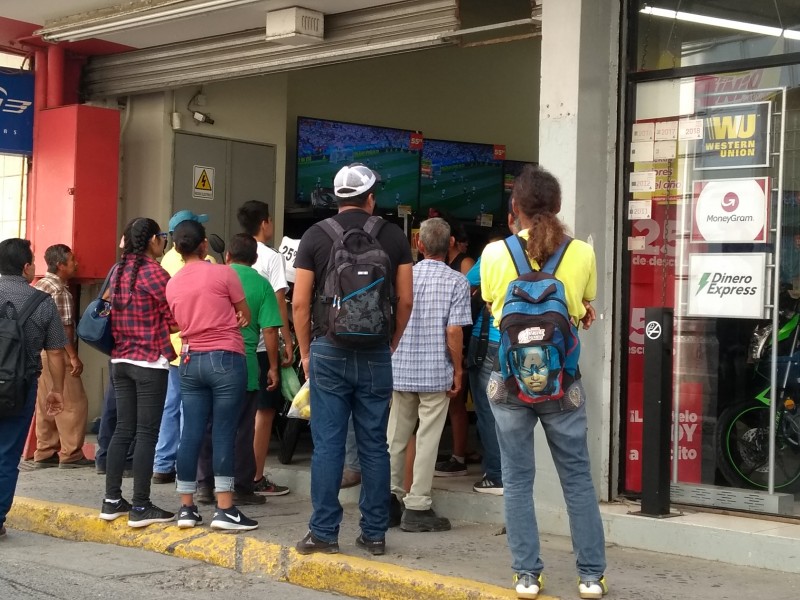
[19,20]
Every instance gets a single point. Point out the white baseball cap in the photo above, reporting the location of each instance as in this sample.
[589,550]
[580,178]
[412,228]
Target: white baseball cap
[354,180]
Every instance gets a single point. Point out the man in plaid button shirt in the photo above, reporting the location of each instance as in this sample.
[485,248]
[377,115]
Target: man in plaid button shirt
[60,438]
[427,372]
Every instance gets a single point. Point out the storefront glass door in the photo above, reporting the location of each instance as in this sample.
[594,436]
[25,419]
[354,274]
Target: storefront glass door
[713,230]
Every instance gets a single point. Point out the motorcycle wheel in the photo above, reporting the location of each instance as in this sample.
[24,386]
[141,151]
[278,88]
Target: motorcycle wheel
[742,445]
[291,434]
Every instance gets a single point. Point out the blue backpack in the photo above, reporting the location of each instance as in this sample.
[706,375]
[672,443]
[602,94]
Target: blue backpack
[538,342]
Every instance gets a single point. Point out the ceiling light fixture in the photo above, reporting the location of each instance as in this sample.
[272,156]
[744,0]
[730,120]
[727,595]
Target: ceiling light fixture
[142,17]
[717,22]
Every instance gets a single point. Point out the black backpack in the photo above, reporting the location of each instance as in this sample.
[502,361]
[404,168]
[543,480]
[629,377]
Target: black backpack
[357,295]
[14,377]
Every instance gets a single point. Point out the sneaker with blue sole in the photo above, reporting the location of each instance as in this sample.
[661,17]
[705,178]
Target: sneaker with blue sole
[189,516]
[232,519]
[528,585]
[591,588]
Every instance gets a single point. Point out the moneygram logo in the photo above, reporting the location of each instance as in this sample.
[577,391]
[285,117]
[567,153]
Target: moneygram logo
[722,285]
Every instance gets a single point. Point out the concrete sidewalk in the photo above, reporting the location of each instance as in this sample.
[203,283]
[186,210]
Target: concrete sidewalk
[471,561]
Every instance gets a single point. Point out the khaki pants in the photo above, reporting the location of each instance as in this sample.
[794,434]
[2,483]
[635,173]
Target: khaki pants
[65,433]
[407,407]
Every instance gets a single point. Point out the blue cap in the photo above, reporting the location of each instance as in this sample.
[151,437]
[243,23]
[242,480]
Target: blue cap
[185,215]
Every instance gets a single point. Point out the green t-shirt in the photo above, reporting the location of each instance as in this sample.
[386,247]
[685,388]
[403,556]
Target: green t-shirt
[263,313]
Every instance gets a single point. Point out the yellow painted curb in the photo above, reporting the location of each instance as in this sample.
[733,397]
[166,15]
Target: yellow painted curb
[348,575]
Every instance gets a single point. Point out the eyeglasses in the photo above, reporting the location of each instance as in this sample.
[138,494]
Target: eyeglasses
[162,235]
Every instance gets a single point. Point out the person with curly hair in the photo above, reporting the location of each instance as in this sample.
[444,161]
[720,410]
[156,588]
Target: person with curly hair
[141,323]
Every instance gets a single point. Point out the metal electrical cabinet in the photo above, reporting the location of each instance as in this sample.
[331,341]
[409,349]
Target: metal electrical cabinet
[75,175]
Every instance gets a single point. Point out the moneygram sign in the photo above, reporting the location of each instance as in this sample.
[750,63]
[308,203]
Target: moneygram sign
[731,210]
[735,136]
[726,285]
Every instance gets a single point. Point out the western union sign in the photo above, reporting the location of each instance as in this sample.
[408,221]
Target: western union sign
[735,136]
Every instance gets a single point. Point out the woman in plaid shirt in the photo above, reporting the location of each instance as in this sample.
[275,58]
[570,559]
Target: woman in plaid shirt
[141,324]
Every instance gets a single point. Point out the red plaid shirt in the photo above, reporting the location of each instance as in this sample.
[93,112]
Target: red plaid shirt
[141,329]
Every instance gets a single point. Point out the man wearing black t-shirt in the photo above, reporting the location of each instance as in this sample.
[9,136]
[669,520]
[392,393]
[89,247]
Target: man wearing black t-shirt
[345,381]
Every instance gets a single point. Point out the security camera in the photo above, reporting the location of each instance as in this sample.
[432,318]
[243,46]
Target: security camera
[202,117]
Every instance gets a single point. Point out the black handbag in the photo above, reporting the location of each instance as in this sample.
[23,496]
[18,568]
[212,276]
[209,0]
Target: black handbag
[94,327]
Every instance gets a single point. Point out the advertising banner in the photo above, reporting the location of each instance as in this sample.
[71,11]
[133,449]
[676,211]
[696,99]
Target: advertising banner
[735,136]
[727,285]
[16,111]
[730,210]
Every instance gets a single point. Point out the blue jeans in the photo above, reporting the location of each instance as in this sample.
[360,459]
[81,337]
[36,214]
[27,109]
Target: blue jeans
[345,382]
[170,432]
[13,431]
[478,380]
[566,436]
[212,386]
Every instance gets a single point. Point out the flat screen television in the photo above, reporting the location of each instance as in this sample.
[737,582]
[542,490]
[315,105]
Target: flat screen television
[462,179]
[324,147]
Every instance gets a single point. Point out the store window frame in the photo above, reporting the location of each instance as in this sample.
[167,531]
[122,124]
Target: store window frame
[630,79]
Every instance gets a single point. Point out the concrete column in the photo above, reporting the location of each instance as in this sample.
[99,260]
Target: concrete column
[577,143]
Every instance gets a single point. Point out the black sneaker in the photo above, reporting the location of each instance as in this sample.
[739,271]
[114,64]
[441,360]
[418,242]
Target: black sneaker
[450,468]
[248,498]
[204,495]
[114,510]
[188,516]
[423,520]
[232,519]
[311,544]
[487,486]
[270,488]
[142,516]
[376,547]
[395,511]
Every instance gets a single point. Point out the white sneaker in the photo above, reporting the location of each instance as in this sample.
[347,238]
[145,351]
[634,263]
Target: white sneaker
[592,588]
[528,586]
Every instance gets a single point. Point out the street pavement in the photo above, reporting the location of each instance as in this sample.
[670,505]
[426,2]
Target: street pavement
[471,561]
[38,567]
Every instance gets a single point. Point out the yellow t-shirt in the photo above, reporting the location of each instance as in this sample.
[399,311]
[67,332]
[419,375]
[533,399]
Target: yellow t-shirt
[577,271]
[172,262]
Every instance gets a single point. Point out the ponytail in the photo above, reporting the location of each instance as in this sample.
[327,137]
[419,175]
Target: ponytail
[544,236]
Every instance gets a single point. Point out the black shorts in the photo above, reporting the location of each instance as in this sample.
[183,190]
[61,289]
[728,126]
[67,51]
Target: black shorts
[267,398]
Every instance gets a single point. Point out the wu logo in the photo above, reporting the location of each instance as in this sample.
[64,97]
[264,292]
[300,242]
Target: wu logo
[12,105]
[733,127]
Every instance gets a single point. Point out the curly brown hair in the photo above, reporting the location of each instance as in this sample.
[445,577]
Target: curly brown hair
[538,197]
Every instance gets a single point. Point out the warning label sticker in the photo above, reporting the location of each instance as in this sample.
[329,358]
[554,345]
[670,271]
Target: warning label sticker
[203,182]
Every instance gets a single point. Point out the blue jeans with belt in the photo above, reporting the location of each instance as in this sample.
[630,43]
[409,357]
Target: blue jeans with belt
[13,431]
[344,382]
[566,435]
[212,386]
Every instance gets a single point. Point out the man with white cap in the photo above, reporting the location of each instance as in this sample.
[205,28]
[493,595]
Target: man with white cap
[348,380]
[170,432]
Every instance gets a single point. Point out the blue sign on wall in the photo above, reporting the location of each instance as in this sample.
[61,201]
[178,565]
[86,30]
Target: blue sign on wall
[16,111]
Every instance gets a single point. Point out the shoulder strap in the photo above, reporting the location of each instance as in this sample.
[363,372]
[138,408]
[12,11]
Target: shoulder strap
[374,225]
[552,263]
[332,228]
[108,280]
[518,255]
[31,304]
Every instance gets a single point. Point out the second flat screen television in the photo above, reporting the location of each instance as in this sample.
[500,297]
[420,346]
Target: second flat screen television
[461,178]
[324,147]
